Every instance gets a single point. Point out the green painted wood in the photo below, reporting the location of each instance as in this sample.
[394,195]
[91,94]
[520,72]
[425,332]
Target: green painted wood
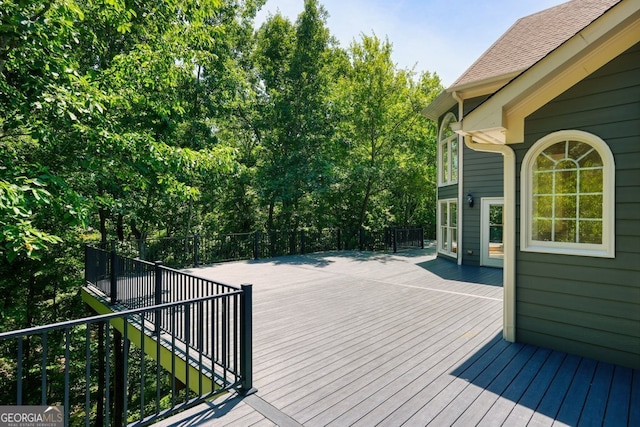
[482,178]
[613,293]
[556,311]
[448,192]
[545,338]
[581,304]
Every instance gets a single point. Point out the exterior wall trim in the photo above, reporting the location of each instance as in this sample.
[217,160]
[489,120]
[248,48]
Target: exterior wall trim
[604,250]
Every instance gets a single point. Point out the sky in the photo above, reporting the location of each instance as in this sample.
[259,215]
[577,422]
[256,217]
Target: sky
[441,36]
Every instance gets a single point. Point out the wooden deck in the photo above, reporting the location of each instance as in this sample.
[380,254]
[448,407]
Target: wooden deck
[349,338]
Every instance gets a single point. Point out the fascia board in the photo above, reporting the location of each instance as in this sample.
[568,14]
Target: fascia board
[502,116]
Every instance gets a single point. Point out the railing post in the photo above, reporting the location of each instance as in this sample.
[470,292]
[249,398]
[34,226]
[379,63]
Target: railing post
[394,236]
[256,245]
[421,235]
[158,296]
[339,240]
[196,249]
[86,263]
[246,340]
[302,242]
[361,239]
[114,273]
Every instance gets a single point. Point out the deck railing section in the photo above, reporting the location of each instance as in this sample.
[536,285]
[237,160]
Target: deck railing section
[89,366]
[181,252]
[213,329]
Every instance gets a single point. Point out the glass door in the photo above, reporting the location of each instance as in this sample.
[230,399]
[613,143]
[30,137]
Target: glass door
[492,249]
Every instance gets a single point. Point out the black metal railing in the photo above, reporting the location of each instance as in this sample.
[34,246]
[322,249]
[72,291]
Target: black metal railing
[90,367]
[181,252]
[133,283]
[221,319]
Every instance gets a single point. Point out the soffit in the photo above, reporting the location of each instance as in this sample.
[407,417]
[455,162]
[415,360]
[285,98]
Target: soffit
[501,118]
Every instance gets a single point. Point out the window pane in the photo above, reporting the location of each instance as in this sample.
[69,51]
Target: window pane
[495,214]
[591,181]
[556,151]
[445,163]
[591,232]
[566,206]
[454,160]
[565,231]
[567,182]
[578,149]
[541,230]
[445,239]
[591,206]
[543,164]
[543,207]
[444,214]
[454,214]
[543,182]
[591,160]
[495,234]
[454,240]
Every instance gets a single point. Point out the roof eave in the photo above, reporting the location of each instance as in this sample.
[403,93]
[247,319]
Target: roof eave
[500,119]
[440,105]
[483,87]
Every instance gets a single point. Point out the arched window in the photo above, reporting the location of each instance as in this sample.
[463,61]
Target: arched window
[568,196]
[447,152]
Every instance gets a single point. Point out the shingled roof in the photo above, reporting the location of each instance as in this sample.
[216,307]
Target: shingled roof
[533,37]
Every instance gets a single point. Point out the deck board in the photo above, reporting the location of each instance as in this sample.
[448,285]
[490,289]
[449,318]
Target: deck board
[356,338]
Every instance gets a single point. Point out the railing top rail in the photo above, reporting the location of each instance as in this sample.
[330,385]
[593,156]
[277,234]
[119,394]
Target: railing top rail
[105,317]
[215,282]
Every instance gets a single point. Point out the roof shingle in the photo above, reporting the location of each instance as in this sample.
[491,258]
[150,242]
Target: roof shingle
[533,37]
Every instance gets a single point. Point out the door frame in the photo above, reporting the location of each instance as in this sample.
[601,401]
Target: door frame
[485,258]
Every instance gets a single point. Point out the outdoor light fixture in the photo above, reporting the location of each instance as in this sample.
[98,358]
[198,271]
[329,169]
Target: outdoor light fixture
[470,200]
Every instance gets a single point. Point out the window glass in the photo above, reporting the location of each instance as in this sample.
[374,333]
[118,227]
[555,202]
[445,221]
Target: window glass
[447,152]
[569,195]
[447,227]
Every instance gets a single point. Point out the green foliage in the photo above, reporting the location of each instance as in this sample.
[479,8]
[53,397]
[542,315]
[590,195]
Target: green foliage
[150,118]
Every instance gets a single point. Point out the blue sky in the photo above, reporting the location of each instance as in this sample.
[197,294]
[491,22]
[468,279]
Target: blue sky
[442,36]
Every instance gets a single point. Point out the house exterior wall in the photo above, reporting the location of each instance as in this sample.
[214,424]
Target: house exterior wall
[447,191]
[585,305]
[483,177]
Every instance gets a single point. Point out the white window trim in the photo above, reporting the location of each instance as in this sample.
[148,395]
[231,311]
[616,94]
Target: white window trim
[448,119]
[439,225]
[604,250]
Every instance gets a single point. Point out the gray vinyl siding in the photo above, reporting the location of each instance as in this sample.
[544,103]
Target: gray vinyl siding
[585,305]
[448,192]
[472,103]
[483,177]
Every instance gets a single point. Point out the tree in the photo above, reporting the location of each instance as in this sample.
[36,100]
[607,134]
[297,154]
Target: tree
[383,134]
[294,66]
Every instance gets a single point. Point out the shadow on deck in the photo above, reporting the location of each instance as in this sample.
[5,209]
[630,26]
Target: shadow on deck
[463,273]
[351,338]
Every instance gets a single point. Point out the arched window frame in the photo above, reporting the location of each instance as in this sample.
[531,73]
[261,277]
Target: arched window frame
[606,249]
[448,145]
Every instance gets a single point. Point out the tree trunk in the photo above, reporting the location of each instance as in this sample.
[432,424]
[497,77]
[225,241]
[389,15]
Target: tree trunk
[120,228]
[102,214]
[365,202]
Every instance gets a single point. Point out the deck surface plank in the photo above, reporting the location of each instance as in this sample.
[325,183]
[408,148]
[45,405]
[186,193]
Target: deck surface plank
[356,338]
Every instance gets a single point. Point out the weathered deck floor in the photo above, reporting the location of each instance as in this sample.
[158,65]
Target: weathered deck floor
[350,338]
